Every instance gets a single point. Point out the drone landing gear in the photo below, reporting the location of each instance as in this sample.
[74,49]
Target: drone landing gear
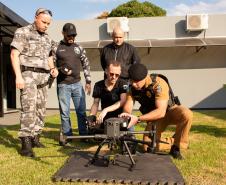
[111,158]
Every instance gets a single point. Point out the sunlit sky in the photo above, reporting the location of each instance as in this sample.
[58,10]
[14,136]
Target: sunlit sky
[89,9]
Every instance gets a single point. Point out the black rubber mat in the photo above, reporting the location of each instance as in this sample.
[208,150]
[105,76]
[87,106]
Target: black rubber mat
[149,169]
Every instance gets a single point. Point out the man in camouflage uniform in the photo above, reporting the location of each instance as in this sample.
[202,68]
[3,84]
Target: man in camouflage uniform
[32,64]
[69,58]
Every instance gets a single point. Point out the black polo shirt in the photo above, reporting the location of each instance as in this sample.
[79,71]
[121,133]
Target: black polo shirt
[109,98]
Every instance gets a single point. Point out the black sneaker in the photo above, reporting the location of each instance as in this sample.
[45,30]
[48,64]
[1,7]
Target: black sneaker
[175,152]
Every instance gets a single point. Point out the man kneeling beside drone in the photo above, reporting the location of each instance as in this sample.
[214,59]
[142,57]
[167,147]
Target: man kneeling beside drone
[159,107]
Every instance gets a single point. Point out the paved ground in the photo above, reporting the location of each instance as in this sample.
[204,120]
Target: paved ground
[13,118]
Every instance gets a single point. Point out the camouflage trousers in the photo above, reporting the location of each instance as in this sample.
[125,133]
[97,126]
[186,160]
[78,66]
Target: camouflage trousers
[33,103]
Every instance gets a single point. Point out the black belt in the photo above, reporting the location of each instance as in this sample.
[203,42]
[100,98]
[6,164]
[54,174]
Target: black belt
[34,69]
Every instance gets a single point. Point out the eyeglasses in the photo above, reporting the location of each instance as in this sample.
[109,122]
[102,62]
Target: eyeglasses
[113,74]
[71,35]
[44,11]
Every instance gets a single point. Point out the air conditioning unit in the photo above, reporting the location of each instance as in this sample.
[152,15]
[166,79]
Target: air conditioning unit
[113,22]
[197,22]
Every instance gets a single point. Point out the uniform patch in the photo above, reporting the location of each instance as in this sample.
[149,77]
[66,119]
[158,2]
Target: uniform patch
[125,87]
[158,89]
[77,50]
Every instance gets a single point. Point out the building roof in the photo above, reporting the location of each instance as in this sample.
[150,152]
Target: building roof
[156,43]
[9,22]
[198,43]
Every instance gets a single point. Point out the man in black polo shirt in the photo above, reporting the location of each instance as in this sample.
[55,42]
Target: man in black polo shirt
[111,92]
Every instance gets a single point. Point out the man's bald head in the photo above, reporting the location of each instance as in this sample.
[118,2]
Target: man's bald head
[118,36]
[117,30]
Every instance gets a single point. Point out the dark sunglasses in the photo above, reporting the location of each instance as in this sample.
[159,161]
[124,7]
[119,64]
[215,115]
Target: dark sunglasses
[113,74]
[71,35]
[44,11]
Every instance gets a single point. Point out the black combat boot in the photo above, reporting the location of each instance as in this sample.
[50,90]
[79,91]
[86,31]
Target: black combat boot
[26,149]
[175,152]
[36,143]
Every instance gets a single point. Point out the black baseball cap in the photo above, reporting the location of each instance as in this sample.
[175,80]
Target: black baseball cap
[69,29]
[137,72]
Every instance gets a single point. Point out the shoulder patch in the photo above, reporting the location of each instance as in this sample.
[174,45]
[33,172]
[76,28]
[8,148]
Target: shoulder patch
[125,87]
[77,50]
[158,89]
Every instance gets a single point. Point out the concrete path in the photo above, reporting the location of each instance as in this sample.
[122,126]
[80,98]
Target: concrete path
[14,117]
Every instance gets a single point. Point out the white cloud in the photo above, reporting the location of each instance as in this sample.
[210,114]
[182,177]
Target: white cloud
[200,7]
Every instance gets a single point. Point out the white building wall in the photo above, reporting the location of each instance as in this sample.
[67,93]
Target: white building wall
[141,28]
[198,78]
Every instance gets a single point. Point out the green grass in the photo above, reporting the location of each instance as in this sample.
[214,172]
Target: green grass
[205,160]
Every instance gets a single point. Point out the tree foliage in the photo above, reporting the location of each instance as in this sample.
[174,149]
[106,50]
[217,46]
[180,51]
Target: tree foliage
[103,15]
[135,8]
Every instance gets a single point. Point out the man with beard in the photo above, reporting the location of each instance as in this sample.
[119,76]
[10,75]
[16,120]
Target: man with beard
[69,57]
[30,57]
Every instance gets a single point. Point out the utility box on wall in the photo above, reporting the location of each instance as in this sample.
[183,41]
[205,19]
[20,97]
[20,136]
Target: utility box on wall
[113,22]
[196,22]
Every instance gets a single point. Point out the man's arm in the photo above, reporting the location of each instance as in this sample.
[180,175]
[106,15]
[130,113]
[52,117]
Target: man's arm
[158,113]
[53,68]
[128,107]
[94,107]
[112,108]
[102,59]
[86,69]
[15,61]
[136,58]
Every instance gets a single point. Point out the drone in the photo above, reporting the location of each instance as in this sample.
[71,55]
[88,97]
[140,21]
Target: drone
[117,137]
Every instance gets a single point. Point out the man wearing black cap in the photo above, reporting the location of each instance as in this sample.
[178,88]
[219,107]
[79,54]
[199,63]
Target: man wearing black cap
[153,94]
[69,57]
